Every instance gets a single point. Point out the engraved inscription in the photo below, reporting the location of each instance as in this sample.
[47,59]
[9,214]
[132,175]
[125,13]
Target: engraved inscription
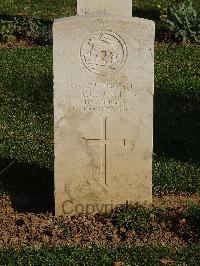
[107,85]
[102,109]
[100,97]
[103,141]
[86,11]
[103,53]
[103,97]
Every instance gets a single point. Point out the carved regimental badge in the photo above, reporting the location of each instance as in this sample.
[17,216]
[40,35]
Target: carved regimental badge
[103,53]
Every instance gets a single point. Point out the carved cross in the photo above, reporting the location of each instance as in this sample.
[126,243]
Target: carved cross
[103,142]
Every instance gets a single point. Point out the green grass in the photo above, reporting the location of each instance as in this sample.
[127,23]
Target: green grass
[141,256]
[177,119]
[47,9]
[26,102]
[26,85]
[50,9]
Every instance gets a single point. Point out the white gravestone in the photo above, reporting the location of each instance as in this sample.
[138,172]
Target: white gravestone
[103,111]
[97,7]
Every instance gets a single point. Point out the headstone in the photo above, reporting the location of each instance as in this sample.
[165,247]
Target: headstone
[111,7]
[103,111]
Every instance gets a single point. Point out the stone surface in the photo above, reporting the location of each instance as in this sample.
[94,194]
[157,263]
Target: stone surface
[99,7]
[103,102]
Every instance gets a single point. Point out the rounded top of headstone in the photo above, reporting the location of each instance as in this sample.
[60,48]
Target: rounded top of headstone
[109,7]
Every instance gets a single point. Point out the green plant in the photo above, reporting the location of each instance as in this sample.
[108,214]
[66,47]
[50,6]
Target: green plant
[131,216]
[7,30]
[163,12]
[192,215]
[27,28]
[184,22]
[34,30]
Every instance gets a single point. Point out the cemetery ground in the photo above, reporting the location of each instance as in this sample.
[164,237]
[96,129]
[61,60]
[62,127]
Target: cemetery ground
[166,233]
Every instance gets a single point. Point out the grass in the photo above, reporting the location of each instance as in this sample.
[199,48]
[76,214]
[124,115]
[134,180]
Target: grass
[26,140]
[47,9]
[26,86]
[177,119]
[141,256]
[34,18]
[51,9]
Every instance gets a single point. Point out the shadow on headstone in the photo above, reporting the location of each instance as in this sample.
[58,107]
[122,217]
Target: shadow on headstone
[30,187]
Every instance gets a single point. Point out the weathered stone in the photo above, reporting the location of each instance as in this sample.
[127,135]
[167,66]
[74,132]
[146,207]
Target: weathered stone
[110,7]
[103,102]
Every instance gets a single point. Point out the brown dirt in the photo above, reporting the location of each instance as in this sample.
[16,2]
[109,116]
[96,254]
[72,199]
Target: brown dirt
[176,201]
[19,229]
[16,44]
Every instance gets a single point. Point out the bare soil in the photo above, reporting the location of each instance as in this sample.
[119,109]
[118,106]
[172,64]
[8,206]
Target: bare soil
[27,229]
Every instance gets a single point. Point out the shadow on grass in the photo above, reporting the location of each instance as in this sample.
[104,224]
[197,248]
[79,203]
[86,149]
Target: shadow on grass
[177,126]
[30,188]
[146,13]
[34,30]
